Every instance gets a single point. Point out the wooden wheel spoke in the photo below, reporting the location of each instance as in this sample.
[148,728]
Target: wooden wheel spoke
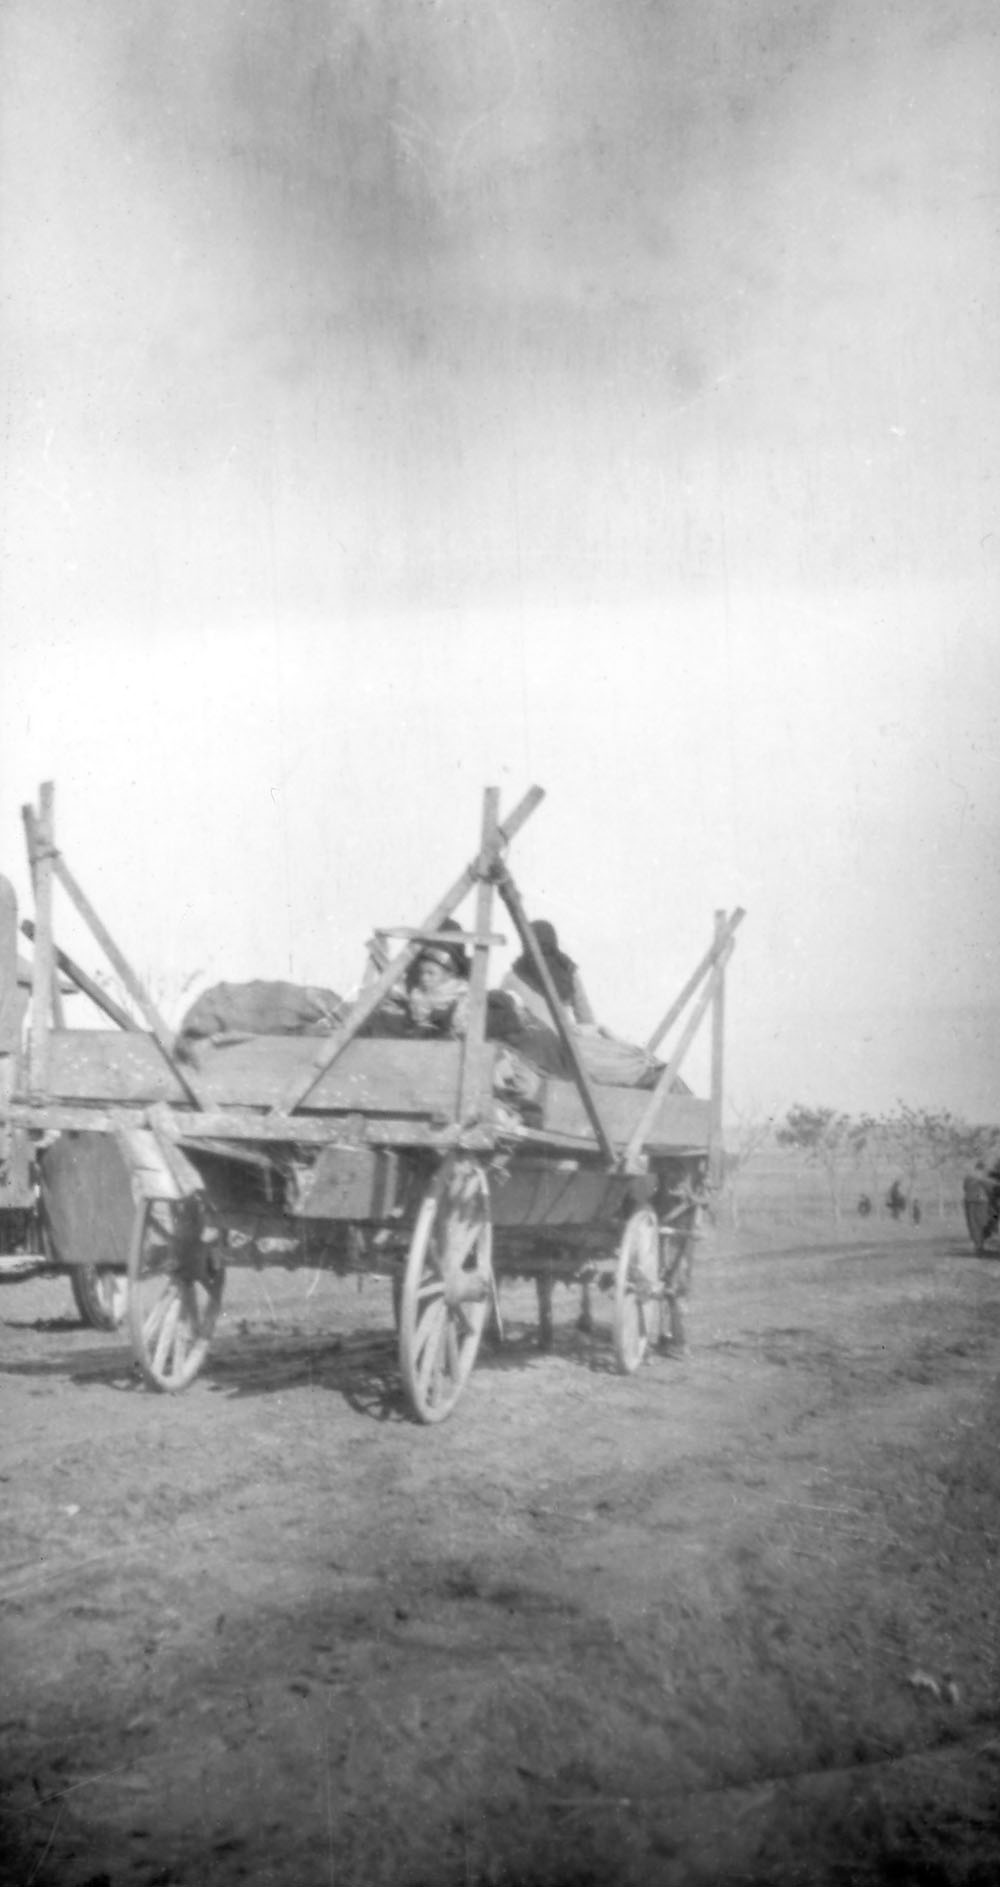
[445,1296]
[428,1333]
[430,1365]
[154,1318]
[168,1327]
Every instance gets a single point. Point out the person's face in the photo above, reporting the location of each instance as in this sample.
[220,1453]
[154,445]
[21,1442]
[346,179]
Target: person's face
[430,975]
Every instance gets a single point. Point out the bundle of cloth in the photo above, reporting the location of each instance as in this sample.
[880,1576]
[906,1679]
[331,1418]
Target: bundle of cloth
[526,1023]
[233,1012]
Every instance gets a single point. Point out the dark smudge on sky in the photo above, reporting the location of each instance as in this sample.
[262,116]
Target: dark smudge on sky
[430,301]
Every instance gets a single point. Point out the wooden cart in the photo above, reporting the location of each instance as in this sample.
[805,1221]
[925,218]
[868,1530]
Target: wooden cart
[981,1205]
[420,1160]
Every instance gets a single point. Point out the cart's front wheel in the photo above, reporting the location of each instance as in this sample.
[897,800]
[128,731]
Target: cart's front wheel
[637,1289]
[447,1289]
[100,1294]
[175,1281]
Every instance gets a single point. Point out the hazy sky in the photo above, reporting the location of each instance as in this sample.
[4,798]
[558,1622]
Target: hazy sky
[402,398]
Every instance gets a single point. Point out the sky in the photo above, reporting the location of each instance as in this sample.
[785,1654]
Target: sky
[404,398]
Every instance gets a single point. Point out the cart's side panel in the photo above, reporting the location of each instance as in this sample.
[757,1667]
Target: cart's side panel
[372,1076]
[682,1122]
[88,1205]
[540,1193]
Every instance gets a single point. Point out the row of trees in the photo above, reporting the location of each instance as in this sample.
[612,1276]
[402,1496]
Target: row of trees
[859,1155]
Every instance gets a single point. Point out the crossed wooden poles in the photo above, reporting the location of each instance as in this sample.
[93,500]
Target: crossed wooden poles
[486,872]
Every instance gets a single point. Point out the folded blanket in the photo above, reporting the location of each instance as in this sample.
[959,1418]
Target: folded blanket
[236,1010]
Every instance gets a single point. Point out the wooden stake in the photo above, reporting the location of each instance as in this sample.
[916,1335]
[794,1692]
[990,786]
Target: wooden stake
[672,1069]
[709,959]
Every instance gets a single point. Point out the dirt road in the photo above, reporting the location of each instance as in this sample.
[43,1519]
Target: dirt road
[734,1619]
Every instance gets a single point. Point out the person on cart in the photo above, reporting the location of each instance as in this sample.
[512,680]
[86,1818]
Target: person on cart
[436,996]
[607,1059]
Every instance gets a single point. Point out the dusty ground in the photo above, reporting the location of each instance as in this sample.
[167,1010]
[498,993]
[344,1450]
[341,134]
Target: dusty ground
[735,1619]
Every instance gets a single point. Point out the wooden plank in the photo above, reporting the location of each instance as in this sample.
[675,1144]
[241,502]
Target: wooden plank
[243,1127]
[710,957]
[86,983]
[373,994]
[87,1199]
[511,897]
[681,1122]
[374,1076]
[452,937]
[348,1183]
[550,1195]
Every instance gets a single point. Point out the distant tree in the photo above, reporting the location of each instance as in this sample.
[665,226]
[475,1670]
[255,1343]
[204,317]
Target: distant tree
[745,1137]
[823,1134]
[864,1142]
[933,1143]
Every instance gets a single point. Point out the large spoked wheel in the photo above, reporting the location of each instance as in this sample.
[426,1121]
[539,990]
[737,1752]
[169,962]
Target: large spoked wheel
[638,1291]
[447,1289]
[175,1281]
[100,1295]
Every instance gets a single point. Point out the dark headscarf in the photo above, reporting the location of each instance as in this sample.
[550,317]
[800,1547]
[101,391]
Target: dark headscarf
[560,967]
[453,957]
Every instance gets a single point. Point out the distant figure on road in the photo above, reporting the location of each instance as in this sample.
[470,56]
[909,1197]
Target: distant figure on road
[895,1200]
[864,1206]
[915,1212]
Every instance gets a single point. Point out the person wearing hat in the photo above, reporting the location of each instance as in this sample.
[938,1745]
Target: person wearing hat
[437,987]
[525,985]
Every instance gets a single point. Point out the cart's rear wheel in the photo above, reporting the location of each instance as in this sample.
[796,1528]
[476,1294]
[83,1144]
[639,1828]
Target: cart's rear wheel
[175,1282]
[100,1294]
[447,1289]
[637,1290]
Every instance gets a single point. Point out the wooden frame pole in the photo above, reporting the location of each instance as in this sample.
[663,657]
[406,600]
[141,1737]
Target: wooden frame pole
[672,1069]
[470,1086]
[718,994]
[708,961]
